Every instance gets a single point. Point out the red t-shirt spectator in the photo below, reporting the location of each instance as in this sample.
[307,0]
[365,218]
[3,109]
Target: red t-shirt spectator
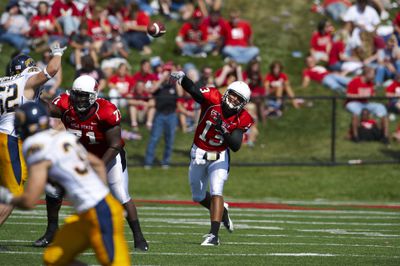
[239,35]
[394,87]
[396,20]
[146,78]
[124,84]
[144,96]
[142,19]
[192,35]
[218,73]
[316,73]
[95,30]
[40,25]
[219,29]
[256,89]
[187,103]
[338,48]
[59,8]
[320,42]
[276,81]
[358,87]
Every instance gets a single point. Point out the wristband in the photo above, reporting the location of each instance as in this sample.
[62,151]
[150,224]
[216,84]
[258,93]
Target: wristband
[48,76]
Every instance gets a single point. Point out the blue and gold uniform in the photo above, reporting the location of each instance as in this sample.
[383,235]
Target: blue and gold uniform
[99,221]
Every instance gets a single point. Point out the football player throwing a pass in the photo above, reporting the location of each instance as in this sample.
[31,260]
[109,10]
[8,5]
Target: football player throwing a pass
[58,158]
[21,85]
[96,122]
[220,129]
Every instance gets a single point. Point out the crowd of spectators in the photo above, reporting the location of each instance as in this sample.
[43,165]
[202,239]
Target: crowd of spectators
[355,60]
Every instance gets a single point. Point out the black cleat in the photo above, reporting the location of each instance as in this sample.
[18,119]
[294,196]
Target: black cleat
[141,245]
[42,242]
[226,219]
[210,240]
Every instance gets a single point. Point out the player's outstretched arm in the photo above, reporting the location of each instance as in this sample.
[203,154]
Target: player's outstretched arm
[36,183]
[48,72]
[188,85]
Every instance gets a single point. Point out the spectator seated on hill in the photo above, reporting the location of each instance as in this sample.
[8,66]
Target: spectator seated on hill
[82,45]
[388,61]
[321,41]
[134,26]
[216,26]
[67,14]
[367,129]
[361,21]
[336,8]
[113,52]
[98,27]
[139,105]
[14,28]
[52,87]
[396,25]
[120,85]
[238,40]
[250,136]
[192,37]
[88,9]
[339,59]
[230,68]
[320,74]
[89,68]
[253,77]
[277,86]
[206,78]
[115,12]
[393,93]
[186,112]
[359,90]
[45,29]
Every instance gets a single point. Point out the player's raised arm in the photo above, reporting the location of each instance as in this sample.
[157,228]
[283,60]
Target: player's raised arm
[188,85]
[49,71]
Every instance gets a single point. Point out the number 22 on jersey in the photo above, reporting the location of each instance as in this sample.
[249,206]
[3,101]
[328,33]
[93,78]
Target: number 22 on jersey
[8,97]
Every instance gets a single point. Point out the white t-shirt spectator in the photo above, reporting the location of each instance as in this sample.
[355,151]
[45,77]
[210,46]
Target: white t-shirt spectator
[19,24]
[368,20]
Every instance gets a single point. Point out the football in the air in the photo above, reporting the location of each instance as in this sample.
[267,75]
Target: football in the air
[156,29]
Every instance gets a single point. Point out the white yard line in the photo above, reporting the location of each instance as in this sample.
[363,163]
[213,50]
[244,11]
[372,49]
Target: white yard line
[249,243]
[302,254]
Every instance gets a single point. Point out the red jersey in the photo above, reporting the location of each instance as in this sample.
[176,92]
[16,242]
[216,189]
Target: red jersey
[276,82]
[146,78]
[192,35]
[40,25]
[141,19]
[396,20]
[320,42]
[206,136]
[316,73]
[239,35]
[95,30]
[92,130]
[394,87]
[124,84]
[359,87]
[338,48]
[59,8]
[187,103]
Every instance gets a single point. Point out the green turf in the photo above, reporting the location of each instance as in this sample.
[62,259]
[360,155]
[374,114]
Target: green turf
[273,237]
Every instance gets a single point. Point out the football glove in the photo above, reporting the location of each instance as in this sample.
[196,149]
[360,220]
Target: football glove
[178,76]
[5,196]
[56,49]
[219,125]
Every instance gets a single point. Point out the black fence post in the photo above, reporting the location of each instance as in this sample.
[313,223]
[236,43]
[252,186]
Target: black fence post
[333,131]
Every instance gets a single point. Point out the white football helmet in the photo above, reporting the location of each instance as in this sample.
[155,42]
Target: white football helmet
[240,89]
[83,93]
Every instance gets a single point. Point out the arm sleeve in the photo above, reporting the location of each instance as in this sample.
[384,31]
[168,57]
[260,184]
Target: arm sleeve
[188,85]
[234,139]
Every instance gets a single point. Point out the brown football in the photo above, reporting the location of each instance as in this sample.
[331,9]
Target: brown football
[156,29]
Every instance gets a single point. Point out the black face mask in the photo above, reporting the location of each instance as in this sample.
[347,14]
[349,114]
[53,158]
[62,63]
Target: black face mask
[80,101]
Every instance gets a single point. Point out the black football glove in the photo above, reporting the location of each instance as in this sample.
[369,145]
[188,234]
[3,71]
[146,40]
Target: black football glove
[219,125]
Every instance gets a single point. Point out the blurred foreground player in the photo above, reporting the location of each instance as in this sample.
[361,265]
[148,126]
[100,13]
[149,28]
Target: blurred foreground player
[221,126]
[97,124]
[22,84]
[56,158]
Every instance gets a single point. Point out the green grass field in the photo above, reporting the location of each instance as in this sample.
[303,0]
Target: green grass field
[338,235]
[331,236]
